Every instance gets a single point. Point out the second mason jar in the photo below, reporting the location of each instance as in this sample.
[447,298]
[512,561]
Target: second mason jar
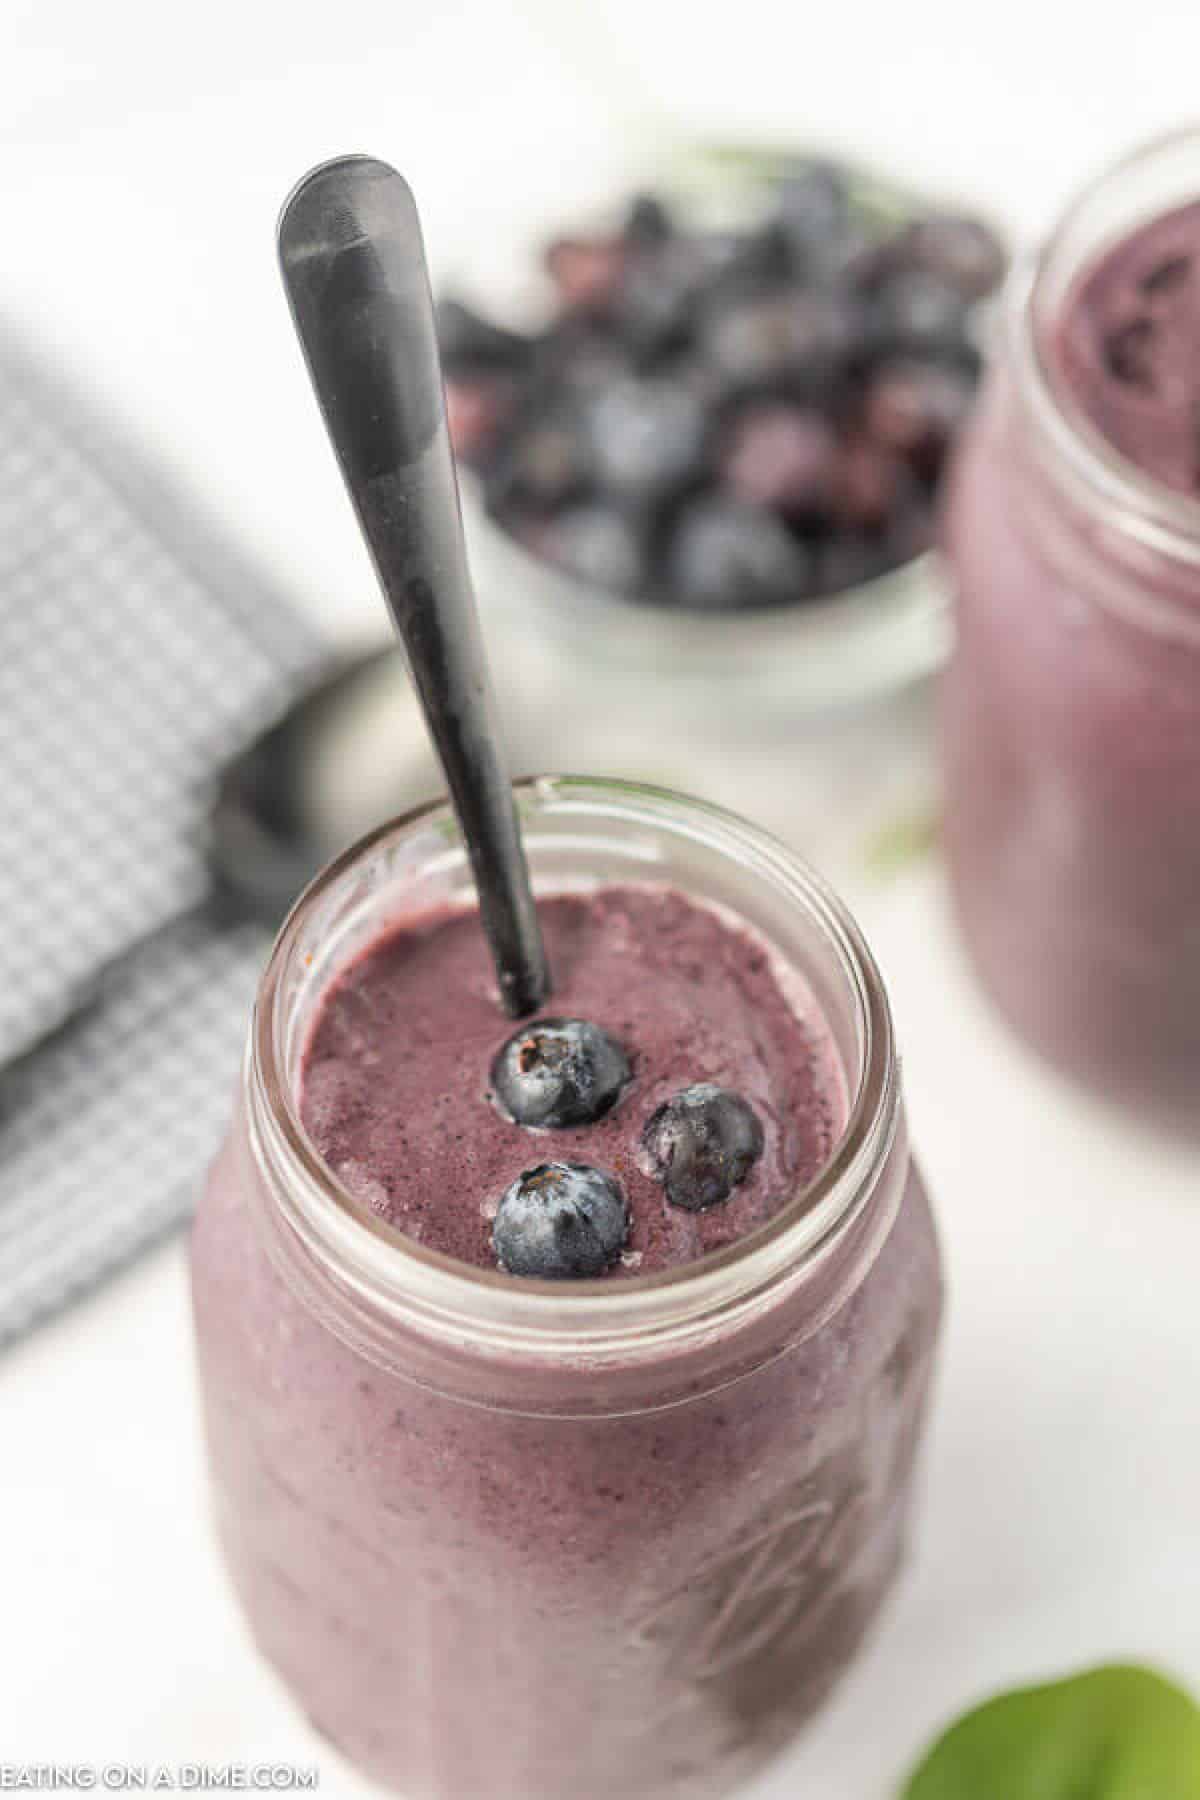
[507,1540]
[1072,705]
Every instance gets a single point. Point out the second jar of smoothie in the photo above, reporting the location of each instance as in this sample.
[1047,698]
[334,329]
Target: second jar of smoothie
[1072,705]
[563,1392]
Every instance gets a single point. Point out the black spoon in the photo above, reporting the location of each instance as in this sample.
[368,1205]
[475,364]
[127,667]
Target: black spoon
[353,264]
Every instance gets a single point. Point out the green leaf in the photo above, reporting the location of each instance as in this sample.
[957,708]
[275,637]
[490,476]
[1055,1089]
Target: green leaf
[900,842]
[1115,1733]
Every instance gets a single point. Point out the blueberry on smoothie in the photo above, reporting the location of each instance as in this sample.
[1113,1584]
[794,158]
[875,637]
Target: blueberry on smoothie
[561,1220]
[559,1072]
[701,1144]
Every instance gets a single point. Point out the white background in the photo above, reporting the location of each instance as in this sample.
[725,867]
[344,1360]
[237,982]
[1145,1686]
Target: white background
[146,148]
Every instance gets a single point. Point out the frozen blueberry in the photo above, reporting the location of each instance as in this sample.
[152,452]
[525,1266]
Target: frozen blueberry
[544,462]
[587,271]
[792,335]
[576,358]
[724,554]
[869,482]
[559,1072]
[470,342]
[910,530]
[647,221]
[916,407]
[856,261]
[595,541]
[476,407]
[654,308]
[962,251]
[647,437]
[748,337]
[701,1144]
[561,1220]
[813,209]
[740,261]
[781,456]
[846,559]
[763,259]
[918,311]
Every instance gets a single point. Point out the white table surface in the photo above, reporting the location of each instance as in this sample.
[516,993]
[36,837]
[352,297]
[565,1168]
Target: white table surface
[146,149]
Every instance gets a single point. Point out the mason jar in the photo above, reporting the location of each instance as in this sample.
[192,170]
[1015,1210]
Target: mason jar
[1072,703]
[506,1541]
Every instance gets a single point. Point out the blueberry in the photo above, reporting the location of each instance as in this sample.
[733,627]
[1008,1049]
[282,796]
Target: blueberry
[847,559]
[749,337]
[469,342]
[559,1072]
[961,251]
[561,1220]
[758,259]
[545,461]
[916,407]
[910,531]
[701,1144]
[647,437]
[740,261]
[654,308]
[476,407]
[919,311]
[596,542]
[576,358]
[792,335]
[869,483]
[725,555]
[647,222]
[813,208]
[856,261]
[781,456]
[586,271]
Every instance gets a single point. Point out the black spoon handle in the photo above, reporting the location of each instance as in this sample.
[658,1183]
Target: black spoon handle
[354,268]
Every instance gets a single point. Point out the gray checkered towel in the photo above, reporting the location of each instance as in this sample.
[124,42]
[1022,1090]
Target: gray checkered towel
[136,655]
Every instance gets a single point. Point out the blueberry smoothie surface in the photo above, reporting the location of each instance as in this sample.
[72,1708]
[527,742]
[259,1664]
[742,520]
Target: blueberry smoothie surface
[1128,348]
[631,1581]
[399,1095]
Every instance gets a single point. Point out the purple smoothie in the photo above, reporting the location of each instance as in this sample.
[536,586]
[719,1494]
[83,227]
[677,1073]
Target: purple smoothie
[1072,705]
[625,1574]
[1127,348]
[396,1076]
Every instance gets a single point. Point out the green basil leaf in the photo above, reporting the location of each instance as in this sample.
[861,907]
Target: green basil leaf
[901,841]
[1116,1733]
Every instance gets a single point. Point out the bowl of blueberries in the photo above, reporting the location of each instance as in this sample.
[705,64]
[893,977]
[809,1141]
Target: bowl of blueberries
[710,458]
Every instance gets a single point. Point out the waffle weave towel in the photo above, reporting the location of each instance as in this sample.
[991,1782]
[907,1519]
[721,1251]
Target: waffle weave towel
[136,654]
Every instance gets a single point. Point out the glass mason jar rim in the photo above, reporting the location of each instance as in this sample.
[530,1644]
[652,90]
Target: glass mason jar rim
[449,1300]
[1083,462]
